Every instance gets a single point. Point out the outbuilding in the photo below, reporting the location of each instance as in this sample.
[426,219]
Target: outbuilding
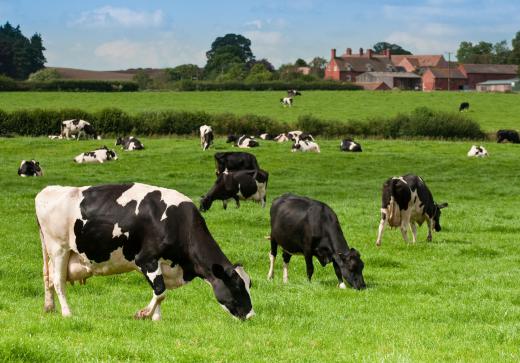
[507,85]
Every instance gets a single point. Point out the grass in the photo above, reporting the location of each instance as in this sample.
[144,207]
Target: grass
[455,299]
[492,111]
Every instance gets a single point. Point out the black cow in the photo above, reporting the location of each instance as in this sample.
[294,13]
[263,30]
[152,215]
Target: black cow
[508,136]
[406,201]
[464,106]
[242,184]
[350,145]
[293,93]
[30,168]
[111,229]
[129,143]
[233,161]
[305,226]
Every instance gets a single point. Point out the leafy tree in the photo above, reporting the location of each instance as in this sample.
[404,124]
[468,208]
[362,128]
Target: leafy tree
[514,57]
[235,72]
[300,63]
[226,51]
[394,48]
[267,65]
[142,79]
[480,53]
[501,53]
[44,75]
[259,73]
[185,71]
[318,65]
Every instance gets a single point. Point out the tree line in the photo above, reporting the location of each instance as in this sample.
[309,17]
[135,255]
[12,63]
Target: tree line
[488,53]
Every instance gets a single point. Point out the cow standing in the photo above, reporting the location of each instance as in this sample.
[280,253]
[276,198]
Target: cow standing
[301,225]
[233,161]
[508,136]
[78,128]
[112,229]
[286,101]
[406,201]
[293,93]
[30,168]
[206,136]
[129,143]
[349,145]
[464,106]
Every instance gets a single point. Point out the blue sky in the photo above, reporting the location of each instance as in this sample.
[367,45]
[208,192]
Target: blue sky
[117,34]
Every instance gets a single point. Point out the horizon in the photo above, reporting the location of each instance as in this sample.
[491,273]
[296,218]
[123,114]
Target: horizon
[116,35]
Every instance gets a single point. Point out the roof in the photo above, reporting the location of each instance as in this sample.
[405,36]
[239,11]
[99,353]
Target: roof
[373,86]
[454,73]
[490,68]
[435,60]
[359,63]
[500,81]
[394,74]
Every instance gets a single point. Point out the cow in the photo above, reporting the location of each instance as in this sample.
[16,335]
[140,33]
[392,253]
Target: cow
[99,155]
[406,200]
[301,225]
[303,136]
[78,128]
[117,228]
[286,101]
[281,138]
[477,151]
[55,137]
[266,136]
[464,106]
[233,161]
[30,168]
[349,145]
[242,184]
[206,136]
[508,136]
[129,143]
[292,93]
[243,142]
[305,146]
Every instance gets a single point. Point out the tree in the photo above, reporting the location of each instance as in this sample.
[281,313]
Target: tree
[481,53]
[44,75]
[235,72]
[300,63]
[514,57]
[184,71]
[394,48]
[267,65]
[225,51]
[259,73]
[142,79]
[318,65]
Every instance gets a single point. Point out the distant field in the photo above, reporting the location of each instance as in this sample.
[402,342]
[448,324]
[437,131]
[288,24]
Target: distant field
[493,111]
[456,299]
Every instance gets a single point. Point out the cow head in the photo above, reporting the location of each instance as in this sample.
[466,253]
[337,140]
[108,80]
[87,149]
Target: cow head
[205,203]
[30,168]
[437,216]
[119,141]
[352,268]
[231,287]
[296,146]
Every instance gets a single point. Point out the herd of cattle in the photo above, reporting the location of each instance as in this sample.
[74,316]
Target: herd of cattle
[117,228]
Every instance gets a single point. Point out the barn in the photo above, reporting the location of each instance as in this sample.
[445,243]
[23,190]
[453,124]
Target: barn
[401,80]
[508,85]
[478,73]
[439,79]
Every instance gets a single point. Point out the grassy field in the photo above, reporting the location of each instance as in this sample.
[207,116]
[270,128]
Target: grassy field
[455,299]
[492,111]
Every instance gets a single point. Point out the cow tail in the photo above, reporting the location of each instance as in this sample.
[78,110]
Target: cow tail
[45,254]
[394,212]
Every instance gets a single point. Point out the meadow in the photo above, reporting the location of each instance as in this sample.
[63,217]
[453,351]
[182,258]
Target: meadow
[492,111]
[454,299]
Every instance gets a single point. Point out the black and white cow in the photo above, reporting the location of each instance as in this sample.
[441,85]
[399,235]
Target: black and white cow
[97,156]
[281,138]
[406,201]
[242,184]
[293,93]
[301,225]
[305,146]
[206,136]
[508,136]
[233,161]
[30,168]
[286,101]
[78,128]
[267,136]
[464,106]
[478,151]
[112,229]
[129,143]
[243,142]
[350,145]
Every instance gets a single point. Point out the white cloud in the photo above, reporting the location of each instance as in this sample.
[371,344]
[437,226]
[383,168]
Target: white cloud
[108,16]
[254,23]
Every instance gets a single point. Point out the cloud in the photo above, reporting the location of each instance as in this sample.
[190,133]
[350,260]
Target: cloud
[254,23]
[109,16]
[421,43]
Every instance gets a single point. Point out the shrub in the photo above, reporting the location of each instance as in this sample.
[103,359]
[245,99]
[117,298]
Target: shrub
[7,84]
[44,75]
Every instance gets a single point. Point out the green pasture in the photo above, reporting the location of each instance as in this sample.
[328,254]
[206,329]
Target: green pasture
[492,111]
[454,299]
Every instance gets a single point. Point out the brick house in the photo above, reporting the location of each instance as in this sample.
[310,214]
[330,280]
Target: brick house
[478,73]
[419,63]
[437,79]
[401,80]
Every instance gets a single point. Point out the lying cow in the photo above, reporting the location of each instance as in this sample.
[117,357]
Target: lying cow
[206,136]
[281,138]
[306,226]
[78,128]
[406,201]
[508,136]
[129,143]
[305,146]
[242,184]
[286,101]
[350,145]
[97,156]
[30,168]
[243,142]
[464,106]
[112,229]
[233,161]
[267,136]
[477,151]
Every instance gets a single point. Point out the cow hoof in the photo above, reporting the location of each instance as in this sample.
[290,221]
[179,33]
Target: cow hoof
[270,277]
[142,314]
[378,244]
[49,308]
[342,286]
[156,317]
[66,314]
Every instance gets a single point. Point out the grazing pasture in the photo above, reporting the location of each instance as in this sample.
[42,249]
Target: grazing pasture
[456,299]
[493,111]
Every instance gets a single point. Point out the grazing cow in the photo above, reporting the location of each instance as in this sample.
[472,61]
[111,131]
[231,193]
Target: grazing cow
[286,101]
[305,146]
[477,151]
[206,137]
[233,161]
[306,226]
[97,156]
[350,145]
[508,136]
[464,106]
[30,168]
[406,201]
[242,184]
[78,128]
[112,229]
[281,138]
[292,93]
[129,143]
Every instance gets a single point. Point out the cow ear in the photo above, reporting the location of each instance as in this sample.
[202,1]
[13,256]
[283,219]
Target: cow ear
[219,272]
[442,205]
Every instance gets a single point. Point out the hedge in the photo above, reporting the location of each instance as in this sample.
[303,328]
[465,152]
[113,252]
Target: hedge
[188,85]
[7,84]
[422,122]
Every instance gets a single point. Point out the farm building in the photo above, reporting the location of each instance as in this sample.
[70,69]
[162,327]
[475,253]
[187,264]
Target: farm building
[439,78]
[374,86]
[478,73]
[508,85]
[401,80]
[418,63]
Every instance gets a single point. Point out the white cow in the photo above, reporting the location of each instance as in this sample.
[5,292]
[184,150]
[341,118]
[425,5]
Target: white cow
[78,128]
[477,151]
[206,136]
[305,146]
[97,156]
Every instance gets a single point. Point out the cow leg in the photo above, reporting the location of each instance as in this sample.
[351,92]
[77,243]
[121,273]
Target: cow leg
[429,238]
[414,232]
[237,200]
[153,309]
[224,204]
[381,229]
[152,271]
[404,231]
[47,284]
[310,265]
[286,259]
[339,275]
[60,261]
[272,258]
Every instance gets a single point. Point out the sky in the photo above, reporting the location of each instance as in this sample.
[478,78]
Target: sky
[120,34]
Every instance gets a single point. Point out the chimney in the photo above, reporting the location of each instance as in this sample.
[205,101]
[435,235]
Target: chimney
[388,54]
[369,53]
[361,51]
[333,53]
[349,51]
